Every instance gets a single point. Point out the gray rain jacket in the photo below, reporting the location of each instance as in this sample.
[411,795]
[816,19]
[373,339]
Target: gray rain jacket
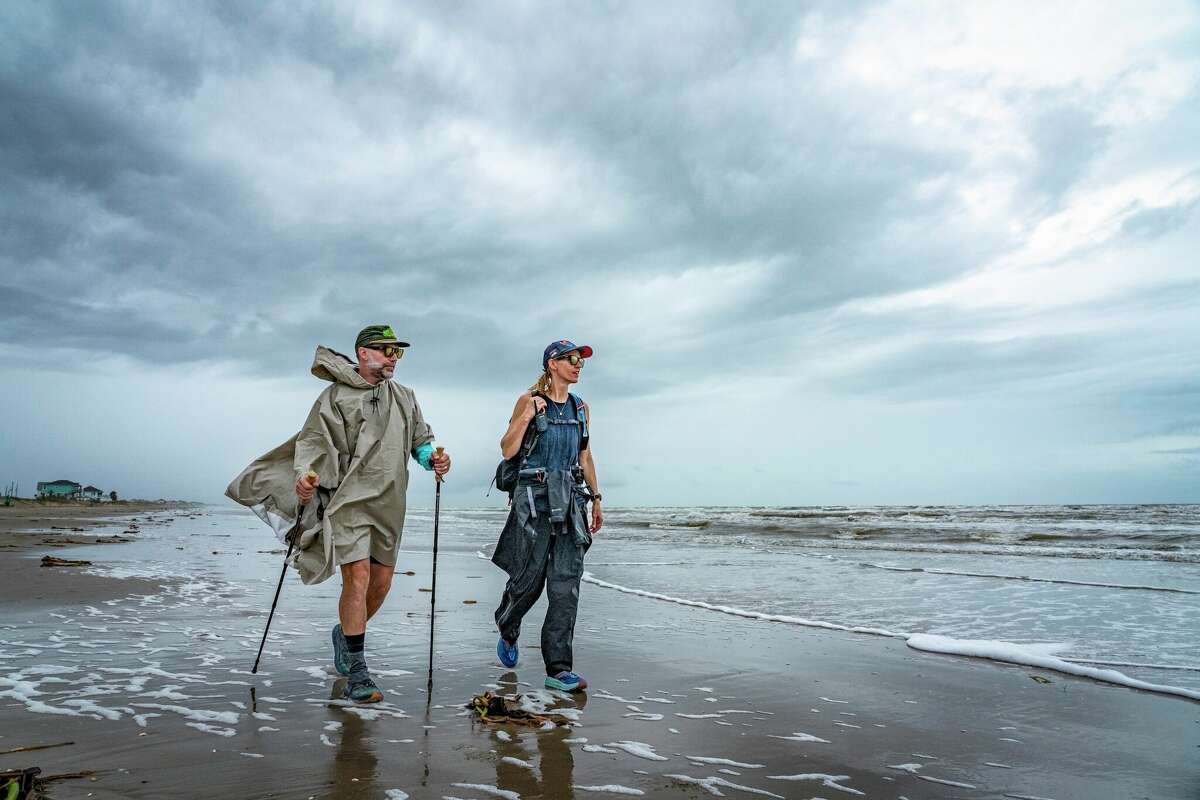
[358,439]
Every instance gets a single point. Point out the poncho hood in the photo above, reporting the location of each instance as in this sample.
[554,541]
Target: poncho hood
[330,365]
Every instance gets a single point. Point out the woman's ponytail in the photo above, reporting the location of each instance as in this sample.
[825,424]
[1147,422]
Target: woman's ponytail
[542,384]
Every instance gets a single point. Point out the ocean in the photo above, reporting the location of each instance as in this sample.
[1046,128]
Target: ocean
[1104,587]
[1111,592]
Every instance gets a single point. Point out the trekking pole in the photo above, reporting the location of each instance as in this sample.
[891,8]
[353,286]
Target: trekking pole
[437,510]
[291,537]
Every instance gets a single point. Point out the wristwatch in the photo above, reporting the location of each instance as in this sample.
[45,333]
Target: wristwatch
[596,498]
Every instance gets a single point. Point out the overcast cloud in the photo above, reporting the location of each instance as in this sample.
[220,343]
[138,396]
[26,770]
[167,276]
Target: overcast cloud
[826,253]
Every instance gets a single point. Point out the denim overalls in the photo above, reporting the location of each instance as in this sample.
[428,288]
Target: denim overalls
[546,535]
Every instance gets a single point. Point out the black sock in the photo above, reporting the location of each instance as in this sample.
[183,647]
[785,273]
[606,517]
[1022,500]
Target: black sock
[355,643]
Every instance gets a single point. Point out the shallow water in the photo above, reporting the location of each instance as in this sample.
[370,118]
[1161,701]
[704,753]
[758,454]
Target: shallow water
[174,664]
[1109,585]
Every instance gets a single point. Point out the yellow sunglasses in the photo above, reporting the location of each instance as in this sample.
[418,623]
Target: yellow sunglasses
[388,350]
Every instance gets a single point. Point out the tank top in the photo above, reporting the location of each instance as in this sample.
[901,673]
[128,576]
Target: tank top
[558,447]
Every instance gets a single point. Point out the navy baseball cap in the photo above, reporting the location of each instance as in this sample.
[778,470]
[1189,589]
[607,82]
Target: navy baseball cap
[561,348]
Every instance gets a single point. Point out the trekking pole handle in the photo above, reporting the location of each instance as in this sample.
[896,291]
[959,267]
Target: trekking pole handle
[440,452]
[312,478]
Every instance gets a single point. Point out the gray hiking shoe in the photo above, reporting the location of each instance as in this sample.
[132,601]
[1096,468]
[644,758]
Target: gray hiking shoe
[363,690]
[360,688]
[341,651]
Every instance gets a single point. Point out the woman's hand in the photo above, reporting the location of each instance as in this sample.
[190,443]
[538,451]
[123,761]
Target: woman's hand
[597,518]
[440,463]
[535,406]
[524,410]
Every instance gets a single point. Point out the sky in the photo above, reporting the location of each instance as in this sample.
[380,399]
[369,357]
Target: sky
[825,253]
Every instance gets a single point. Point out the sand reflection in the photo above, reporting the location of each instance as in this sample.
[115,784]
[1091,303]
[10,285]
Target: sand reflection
[355,766]
[548,772]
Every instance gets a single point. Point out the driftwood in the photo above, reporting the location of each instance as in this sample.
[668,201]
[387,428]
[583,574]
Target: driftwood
[66,776]
[54,561]
[34,747]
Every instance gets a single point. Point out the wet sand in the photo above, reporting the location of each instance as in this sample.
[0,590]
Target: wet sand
[30,530]
[683,703]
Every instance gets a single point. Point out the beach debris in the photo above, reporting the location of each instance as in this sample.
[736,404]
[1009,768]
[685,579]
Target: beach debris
[491,707]
[24,784]
[54,561]
[19,784]
[469,602]
[66,776]
[1040,679]
[32,747]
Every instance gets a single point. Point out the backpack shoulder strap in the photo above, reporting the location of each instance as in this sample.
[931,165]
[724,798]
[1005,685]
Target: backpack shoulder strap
[581,415]
[531,437]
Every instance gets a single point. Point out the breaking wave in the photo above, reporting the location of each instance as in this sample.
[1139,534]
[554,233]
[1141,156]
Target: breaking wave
[1033,655]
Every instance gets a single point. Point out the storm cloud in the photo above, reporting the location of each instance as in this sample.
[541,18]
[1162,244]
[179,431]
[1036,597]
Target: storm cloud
[812,240]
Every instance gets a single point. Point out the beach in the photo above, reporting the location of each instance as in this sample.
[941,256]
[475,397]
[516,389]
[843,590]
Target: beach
[50,526]
[143,660]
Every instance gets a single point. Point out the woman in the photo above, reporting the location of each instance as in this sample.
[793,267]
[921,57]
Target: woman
[547,531]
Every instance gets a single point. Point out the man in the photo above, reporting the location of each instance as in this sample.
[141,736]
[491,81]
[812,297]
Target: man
[351,457]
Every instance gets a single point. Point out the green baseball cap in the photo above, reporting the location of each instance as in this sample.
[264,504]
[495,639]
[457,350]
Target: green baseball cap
[377,334]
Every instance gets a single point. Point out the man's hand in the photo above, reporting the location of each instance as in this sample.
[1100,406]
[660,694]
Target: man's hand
[440,463]
[597,518]
[306,484]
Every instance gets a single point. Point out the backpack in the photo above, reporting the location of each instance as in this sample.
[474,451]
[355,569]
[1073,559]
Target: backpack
[509,469]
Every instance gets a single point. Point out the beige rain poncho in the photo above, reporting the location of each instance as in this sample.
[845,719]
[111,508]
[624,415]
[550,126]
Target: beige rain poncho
[358,439]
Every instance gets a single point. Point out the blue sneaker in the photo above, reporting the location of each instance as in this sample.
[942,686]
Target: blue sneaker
[566,682]
[507,653]
[341,651]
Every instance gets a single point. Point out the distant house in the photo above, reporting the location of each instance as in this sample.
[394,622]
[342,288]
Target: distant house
[91,493]
[69,489]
